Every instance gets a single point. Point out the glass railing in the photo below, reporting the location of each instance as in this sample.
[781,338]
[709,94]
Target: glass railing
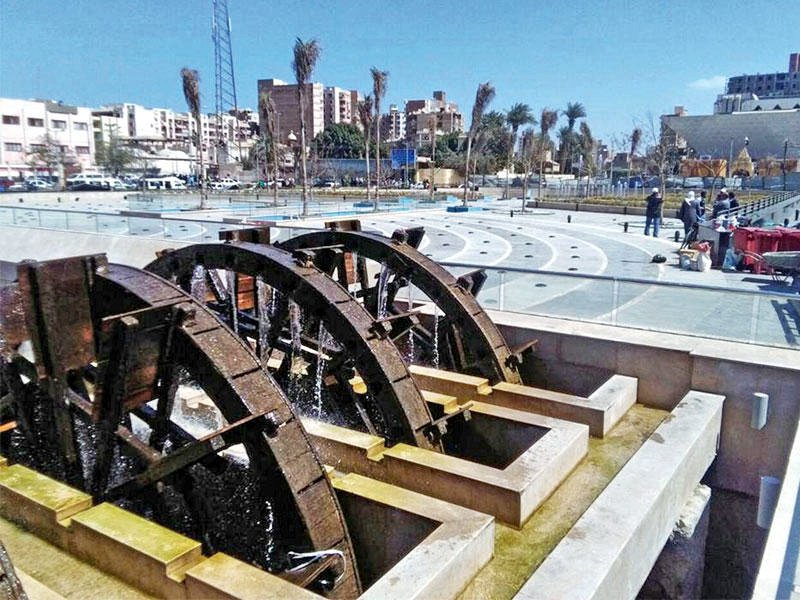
[766,318]
[190,230]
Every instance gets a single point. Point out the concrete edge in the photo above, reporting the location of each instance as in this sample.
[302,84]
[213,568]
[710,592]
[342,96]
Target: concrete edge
[610,550]
[772,580]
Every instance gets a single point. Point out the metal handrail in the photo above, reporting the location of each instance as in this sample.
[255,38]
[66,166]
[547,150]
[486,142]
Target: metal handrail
[614,279]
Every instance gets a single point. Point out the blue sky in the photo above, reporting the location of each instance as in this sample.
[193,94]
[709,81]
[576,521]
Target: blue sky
[622,59]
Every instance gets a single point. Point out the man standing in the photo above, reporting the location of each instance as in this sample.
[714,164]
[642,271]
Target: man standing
[653,212]
[688,213]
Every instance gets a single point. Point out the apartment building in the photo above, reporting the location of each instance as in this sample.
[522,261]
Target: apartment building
[786,83]
[284,95]
[428,116]
[162,128]
[393,125]
[29,125]
[341,105]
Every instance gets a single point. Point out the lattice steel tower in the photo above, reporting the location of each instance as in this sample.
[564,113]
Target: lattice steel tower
[224,80]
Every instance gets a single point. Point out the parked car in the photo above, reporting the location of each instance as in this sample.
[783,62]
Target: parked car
[6,183]
[17,187]
[38,185]
[225,184]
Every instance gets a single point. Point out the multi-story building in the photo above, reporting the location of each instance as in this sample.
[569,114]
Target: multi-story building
[29,127]
[393,125]
[766,85]
[284,95]
[162,128]
[435,115]
[341,105]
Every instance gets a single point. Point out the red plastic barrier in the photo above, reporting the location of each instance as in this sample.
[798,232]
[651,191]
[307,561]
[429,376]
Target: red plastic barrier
[790,240]
[757,241]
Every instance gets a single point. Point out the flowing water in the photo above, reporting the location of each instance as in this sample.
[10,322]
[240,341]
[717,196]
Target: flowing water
[383,288]
[265,297]
[435,336]
[198,288]
[322,347]
[409,307]
[230,278]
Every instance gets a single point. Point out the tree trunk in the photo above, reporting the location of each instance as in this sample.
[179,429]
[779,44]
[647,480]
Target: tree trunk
[466,168]
[304,172]
[366,155]
[432,184]
[275,163]
[508,168]
[526,175]
[377,159]
[200,181]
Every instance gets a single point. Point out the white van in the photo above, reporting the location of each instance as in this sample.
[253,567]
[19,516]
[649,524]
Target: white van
[164,183]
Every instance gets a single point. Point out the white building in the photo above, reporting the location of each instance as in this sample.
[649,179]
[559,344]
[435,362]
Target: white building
[28,125]
[165,129]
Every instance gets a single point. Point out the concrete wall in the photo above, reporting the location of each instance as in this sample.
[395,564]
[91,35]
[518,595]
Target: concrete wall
[572,354]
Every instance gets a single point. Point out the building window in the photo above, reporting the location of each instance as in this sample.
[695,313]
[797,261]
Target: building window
[13,147]
[10,120]
[35,122]
[81,149]
[81,126]
[37,147]
[60,125]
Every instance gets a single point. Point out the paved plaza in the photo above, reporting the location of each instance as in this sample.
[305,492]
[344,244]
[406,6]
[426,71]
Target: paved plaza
[585,266]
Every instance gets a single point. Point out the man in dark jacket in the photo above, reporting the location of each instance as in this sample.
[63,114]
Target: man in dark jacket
[721,205]
[653,212]
[688,212]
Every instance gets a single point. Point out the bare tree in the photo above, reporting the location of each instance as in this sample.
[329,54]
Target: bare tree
[306,55]
[378,92]
[191,92]
[483,96]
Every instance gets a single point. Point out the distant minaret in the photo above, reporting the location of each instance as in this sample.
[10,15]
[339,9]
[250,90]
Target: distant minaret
[224,80]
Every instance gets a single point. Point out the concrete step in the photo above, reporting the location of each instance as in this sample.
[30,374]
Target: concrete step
[601,410]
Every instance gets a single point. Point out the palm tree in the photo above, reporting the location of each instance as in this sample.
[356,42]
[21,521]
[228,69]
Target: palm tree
[191,92]
[547,121]
[267,115]
[378,92]
[483,96]
[306,55]
[573,112]
[365,118]
[517,116]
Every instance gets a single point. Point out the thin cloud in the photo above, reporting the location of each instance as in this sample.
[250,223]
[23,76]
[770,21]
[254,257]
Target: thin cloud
[716,82]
